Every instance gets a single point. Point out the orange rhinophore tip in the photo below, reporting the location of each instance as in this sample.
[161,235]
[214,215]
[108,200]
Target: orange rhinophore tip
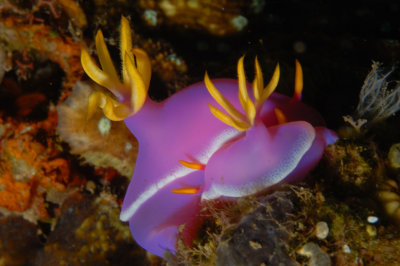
[185,190]
[280,116]
[197,166]
[298,81]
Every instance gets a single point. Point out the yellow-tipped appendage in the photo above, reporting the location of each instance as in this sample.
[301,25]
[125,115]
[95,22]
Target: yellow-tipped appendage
[191,165]
[298,81]
[186,190]
[280,116]
[233,117]
[136,75]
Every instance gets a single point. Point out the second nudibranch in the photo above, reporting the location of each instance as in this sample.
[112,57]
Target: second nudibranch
[217,138]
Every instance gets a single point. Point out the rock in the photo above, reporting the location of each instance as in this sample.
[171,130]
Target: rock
[318,257]
[19,241]
[89,232]
[260,237]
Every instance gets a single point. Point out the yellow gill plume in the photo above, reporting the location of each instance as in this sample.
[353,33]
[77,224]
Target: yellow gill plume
[233,117]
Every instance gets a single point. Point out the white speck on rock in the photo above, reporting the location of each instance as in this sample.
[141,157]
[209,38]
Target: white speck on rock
[346,249]
[104,126]
[128,146]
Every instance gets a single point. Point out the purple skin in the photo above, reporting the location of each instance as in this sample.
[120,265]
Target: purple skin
[187,146]
[237,163]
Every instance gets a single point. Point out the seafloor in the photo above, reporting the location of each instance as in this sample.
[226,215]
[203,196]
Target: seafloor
[63,178]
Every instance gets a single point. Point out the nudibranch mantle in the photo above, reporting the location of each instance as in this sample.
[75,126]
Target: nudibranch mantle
[220,138]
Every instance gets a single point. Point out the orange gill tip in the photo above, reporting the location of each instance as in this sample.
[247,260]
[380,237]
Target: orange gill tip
[185,190]
[298,82]
[280,116]
[196,166]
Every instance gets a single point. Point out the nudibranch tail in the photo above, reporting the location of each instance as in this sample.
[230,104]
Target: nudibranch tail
[234,117]
[136,75]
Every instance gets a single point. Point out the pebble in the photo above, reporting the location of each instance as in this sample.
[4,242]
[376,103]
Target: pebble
[346,249]
[371,230]
[318,257]
[394,156]
[372,219]
[321,230]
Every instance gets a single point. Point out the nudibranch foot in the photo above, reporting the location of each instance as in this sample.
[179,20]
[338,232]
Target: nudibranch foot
[155,223]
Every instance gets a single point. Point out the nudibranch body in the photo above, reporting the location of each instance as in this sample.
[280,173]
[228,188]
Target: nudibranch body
[192,150]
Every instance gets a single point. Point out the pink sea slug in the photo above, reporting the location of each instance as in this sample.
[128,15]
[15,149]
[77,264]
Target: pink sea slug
[213,139]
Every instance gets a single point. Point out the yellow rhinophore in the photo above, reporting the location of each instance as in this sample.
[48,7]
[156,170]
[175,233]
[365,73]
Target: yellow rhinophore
[136,75]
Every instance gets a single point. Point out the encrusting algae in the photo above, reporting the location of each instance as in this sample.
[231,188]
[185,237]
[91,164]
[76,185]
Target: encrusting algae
[30,168]
[43,40]
[89,232]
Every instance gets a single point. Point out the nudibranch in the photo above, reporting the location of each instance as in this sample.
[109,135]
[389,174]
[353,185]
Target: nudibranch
[219,138]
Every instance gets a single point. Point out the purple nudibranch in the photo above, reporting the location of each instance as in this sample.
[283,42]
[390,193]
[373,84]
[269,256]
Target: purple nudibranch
[191,151]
